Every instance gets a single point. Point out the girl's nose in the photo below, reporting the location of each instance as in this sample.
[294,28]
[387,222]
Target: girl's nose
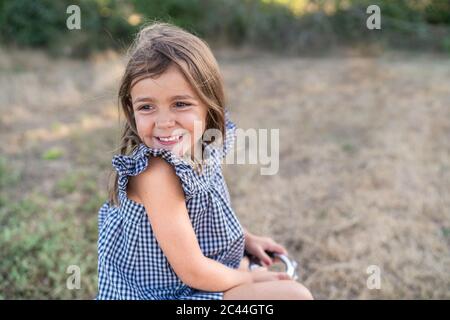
[165,122]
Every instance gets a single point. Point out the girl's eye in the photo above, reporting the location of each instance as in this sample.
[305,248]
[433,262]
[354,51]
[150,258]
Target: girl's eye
[181,104]
[146,107]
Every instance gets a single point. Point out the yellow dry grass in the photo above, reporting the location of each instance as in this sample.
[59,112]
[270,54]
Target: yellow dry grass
[364,174]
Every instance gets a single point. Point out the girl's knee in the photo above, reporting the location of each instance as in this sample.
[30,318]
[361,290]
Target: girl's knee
[299,291]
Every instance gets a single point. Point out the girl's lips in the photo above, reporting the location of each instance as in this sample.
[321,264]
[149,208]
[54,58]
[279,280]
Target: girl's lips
[169,143]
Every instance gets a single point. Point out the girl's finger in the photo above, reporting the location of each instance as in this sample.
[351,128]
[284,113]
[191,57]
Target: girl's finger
[265,259]
[278,248]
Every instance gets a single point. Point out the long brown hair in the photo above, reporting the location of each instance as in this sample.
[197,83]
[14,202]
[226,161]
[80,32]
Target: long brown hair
[155,48]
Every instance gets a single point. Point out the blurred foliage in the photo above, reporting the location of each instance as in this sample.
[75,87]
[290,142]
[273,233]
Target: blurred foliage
[38,246]
[42,237]
[42,23]
[52,154]
[294,25]
[7,178]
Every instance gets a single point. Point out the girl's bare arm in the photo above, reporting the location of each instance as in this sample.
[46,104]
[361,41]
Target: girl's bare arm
[159,189]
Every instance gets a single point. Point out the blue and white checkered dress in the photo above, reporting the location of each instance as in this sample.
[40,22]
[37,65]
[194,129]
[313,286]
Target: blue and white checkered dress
[131,264]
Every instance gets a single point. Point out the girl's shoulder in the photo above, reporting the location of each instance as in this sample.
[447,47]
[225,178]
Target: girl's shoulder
[158,175]
[138,161]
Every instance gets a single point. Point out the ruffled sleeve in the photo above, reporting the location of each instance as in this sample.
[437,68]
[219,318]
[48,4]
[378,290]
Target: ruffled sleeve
[230,133]
[132,165]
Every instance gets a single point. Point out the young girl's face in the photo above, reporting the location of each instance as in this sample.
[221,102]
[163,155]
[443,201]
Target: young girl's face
[165,110]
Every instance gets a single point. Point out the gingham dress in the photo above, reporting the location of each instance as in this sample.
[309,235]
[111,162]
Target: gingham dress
[131,264]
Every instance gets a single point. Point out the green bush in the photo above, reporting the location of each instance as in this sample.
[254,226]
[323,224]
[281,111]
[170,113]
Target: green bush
[438,12]
[34,23]
[42,24]
[260,23]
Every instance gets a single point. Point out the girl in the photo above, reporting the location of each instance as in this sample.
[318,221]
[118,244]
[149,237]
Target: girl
[168,230]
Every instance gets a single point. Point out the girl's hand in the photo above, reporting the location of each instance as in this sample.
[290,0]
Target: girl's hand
[264,275]
[257,246]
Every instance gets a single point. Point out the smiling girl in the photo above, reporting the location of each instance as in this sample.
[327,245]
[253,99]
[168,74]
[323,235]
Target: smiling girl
[168,230]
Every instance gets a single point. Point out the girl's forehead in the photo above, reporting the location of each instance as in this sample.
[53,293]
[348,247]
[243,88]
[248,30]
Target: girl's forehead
[170,80]
[165,87]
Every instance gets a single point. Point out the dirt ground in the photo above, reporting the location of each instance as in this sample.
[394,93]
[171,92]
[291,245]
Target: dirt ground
[364,176]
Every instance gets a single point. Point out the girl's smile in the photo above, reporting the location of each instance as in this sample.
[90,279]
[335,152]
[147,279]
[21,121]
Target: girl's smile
[170,140]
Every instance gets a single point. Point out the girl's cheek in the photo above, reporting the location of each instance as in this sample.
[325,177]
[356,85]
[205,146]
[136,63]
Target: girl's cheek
[196,128]
[143,128]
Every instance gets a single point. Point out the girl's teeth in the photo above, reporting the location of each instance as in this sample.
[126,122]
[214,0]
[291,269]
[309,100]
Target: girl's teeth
[168,139]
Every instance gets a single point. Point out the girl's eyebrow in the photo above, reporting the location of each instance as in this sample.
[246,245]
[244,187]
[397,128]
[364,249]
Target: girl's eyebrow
[151,99]
[139,99]
[183,96]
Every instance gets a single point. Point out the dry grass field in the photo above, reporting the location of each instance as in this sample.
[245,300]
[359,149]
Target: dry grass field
[364,176]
